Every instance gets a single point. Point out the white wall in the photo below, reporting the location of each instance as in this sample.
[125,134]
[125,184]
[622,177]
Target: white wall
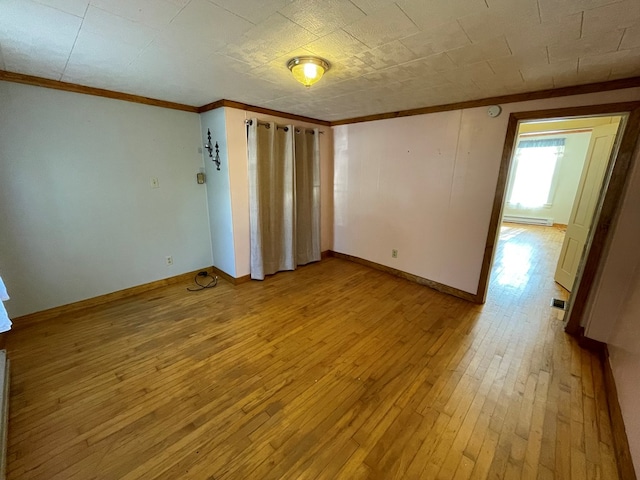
[78,216]
[568,177]
[219,193]
[239,176]
[425,186]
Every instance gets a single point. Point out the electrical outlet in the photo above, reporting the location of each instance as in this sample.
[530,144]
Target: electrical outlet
[394,253]
[169,260]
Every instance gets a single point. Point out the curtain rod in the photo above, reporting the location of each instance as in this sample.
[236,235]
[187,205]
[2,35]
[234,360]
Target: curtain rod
[282,127]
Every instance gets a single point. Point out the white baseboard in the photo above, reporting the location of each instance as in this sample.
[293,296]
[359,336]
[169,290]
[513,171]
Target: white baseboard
[528,220]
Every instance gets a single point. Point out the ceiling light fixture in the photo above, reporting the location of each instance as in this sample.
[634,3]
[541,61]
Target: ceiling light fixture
[308,70]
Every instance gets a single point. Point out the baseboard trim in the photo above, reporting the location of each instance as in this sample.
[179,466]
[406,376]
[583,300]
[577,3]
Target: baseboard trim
[43,315]
[587,343]
[229,278]
[247,278]
[411,277]
[620,441]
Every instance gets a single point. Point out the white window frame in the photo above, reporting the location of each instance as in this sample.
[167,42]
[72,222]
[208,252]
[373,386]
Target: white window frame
[554,178]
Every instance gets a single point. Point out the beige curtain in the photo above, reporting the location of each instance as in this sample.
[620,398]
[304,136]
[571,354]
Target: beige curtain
[284,197]
[307,156]
[271,199]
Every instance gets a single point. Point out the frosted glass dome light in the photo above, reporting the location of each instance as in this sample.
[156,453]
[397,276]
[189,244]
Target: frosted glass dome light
[308,70]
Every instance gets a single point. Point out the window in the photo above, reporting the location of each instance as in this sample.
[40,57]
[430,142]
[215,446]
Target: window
[535,165]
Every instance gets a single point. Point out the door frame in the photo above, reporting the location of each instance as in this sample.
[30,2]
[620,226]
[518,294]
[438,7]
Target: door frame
[609,202]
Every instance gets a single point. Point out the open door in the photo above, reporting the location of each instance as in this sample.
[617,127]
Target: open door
[584,205]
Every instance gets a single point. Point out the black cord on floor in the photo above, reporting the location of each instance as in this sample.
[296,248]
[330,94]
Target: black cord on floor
[201,286]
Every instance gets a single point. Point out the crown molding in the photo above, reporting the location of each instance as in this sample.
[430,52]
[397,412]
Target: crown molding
[266,111]
[512,98]
[98,92]
[632,82]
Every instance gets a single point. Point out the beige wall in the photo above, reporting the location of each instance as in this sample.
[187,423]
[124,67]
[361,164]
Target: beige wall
[614,314]
[425,185]
[238,164]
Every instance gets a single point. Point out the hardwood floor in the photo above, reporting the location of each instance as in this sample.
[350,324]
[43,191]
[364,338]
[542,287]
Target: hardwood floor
[332,371]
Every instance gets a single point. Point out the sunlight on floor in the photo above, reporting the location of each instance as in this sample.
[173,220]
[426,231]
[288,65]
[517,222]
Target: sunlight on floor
[515,265]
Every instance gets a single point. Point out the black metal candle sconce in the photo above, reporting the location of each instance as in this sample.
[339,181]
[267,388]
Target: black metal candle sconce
[209,148]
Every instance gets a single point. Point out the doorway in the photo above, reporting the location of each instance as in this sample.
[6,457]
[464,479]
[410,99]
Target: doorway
[605,204]
[557,174]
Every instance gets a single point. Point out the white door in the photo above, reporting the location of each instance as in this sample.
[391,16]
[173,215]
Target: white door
[584,205]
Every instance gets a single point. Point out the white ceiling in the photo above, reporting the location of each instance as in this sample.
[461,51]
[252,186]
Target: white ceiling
[386,55]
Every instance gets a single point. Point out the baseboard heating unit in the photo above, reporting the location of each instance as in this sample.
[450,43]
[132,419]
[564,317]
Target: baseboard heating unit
[528,220]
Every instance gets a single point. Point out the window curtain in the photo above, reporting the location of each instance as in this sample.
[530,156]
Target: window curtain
[284,197]
[307,155]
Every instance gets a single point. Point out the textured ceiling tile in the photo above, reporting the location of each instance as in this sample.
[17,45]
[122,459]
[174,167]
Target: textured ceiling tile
[36,39]
[154,13]
[487,25]
[486,50]
[439,62]
[253,86]
[354,68]
[198,51]
[552,9]
[502,17]
[531,58]
[251,11]
[419,71]
[468,73]
[600,64]
[595,44]
[566,79]
[336,46]
[110,26]
[387,55]
[276,70]
[269,40]
[610,17]
[370,6]
[322,16]
[382,26]
[629,67]
[533,73]
[511,80]
[74,7]
[109,54]
[328,92]
[16,59]
[593,76]
[202,28]
[631,38]
[542,82]
[429,14]
[447,36]
[563,30]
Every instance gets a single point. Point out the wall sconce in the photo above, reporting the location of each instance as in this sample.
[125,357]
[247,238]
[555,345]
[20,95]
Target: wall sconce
[209,148]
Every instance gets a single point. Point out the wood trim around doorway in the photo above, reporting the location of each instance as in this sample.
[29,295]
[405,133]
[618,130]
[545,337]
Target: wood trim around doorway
[608,210]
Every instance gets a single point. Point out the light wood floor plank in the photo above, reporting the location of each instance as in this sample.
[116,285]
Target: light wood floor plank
[331,371]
